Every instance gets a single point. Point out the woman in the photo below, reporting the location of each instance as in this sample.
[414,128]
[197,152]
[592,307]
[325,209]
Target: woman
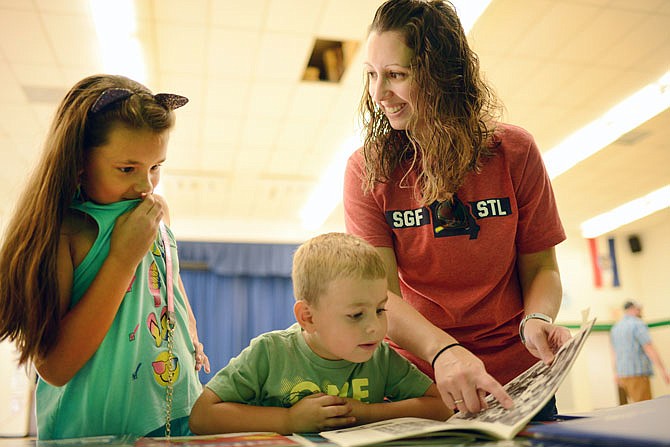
[459,206]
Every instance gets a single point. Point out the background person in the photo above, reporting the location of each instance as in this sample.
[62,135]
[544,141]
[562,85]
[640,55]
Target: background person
[634,354]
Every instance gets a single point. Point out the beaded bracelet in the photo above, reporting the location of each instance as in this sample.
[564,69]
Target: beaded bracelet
[441,351]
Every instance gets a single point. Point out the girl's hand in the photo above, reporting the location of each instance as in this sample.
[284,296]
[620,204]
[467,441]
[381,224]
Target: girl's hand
[463,381]
[135,231]
[543,340]
[319,412]
[201,359]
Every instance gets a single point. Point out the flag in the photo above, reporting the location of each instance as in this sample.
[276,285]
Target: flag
[604,265]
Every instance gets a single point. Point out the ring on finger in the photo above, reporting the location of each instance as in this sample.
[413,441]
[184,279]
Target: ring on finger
[458,401]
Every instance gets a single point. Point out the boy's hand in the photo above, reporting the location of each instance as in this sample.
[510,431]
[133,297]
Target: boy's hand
[320,412]
[359,410]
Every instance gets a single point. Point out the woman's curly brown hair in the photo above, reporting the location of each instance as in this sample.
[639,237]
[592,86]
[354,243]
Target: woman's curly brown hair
[453,124]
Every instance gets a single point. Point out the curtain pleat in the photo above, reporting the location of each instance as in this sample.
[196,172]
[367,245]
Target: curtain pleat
[236,301]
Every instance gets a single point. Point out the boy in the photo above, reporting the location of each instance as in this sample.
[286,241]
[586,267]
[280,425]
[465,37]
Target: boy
[330,369]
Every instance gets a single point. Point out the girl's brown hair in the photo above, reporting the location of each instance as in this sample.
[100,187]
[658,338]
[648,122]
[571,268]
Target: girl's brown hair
[29,292]
[452,127]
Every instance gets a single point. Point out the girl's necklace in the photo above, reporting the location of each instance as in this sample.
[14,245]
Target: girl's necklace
[170,328]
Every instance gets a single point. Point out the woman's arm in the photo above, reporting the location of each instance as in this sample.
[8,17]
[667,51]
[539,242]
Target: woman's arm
[459,374]
[542,293]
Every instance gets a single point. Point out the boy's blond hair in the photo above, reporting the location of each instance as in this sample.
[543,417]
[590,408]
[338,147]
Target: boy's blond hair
[331,256]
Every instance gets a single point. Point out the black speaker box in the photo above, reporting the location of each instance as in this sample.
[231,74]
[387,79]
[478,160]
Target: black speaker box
[635,244]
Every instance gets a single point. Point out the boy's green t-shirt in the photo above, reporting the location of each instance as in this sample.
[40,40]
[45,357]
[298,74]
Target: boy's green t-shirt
[278,369]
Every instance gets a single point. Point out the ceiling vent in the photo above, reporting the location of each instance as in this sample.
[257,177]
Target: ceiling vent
[633,137]
[329,60]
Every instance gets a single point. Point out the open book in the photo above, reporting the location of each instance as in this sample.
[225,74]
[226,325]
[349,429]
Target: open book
[531,390]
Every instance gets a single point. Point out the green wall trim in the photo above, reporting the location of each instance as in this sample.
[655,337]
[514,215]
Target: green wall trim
[608,326]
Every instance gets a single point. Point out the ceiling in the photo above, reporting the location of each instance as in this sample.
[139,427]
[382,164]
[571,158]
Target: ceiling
[255,140]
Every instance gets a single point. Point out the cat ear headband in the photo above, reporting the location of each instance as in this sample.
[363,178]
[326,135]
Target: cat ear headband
[113,95]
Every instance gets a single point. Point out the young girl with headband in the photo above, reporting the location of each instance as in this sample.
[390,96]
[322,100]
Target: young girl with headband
[89,280]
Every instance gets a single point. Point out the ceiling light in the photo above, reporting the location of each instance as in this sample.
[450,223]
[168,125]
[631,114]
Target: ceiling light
[627,213]
[469,11]
[620,119]
[328,193]
[116,27]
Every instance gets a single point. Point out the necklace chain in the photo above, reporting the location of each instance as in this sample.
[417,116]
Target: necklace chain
[171,371]
[171,322]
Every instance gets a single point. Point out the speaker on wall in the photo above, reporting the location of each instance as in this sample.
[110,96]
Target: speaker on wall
[635,244]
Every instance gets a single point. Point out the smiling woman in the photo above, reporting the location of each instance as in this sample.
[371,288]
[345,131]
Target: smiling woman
[459,206]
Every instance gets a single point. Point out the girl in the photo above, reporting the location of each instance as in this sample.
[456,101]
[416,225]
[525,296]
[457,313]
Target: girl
[87,271]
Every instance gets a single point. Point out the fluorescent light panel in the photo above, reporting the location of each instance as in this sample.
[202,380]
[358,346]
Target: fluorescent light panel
[627,213]
[328,193]
[620,119]
[116,27]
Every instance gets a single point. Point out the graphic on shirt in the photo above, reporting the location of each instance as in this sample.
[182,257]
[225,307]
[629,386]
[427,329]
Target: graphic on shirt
[155,283]
[450,217]
[357,389]
[453,218]
[156,249]
[130,286]
[137,370]
[398,219]
[131,336]
[158,330]
[494,207]
[163,367]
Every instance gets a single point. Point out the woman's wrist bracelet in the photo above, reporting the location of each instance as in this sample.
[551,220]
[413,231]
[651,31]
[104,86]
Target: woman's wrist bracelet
[441,351]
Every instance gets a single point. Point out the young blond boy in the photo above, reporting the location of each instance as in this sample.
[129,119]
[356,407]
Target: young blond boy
[332,368]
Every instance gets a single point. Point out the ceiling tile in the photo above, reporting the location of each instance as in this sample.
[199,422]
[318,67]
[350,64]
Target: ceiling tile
[598,36]
[282,56]
[249,14]
[552,28]
[269,100]
[192,12]
[23,38]
[181,49]
[73,40]
[337,21]
[232,54]
[294,16]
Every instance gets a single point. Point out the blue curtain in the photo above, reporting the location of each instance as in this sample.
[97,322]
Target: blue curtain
[237,291]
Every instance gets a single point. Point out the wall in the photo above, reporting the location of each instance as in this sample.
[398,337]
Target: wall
[643,275]
[15,394]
